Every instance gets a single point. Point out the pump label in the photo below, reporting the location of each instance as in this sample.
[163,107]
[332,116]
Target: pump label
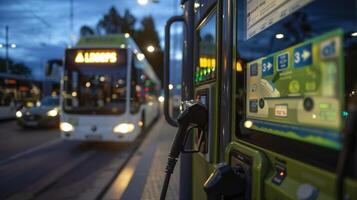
[283,61]
[299,86]
[268,66]
[303,56]
[281,110]
[261,14]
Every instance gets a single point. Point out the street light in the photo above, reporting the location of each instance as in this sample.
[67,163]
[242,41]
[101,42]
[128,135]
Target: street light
[279,36]
[140,56]
[143,2]
[150,48]
[13,45]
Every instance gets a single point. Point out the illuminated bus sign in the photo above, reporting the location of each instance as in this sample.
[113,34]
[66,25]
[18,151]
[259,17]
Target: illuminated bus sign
[92,57]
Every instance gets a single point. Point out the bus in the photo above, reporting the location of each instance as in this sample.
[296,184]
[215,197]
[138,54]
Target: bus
[15,92]
[278,80]
[109,90]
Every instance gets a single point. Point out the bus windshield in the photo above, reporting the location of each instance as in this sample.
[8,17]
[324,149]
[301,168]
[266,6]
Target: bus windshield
[95,88]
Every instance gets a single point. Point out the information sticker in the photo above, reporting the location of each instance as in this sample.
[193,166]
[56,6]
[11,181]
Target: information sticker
[297,91]
[260,14]
[281,110]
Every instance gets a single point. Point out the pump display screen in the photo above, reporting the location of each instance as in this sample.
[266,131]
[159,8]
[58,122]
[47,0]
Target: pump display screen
[300,74]
[207,51]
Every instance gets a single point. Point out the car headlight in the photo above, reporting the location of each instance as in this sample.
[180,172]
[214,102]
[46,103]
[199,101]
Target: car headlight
[18,114]
[66,127]
[124,128]
[52,113]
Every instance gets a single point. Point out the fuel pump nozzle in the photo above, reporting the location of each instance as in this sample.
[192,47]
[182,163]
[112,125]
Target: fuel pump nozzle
[194,115]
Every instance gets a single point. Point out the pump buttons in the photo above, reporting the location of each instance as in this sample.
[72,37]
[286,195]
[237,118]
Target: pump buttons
[307,192]
[280,174]
[308,104]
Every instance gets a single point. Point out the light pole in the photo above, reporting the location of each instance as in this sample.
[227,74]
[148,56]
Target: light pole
[7,45]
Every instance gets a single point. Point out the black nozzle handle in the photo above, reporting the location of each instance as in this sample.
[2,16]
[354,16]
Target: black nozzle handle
[176,148]
[195,114]
[178,142]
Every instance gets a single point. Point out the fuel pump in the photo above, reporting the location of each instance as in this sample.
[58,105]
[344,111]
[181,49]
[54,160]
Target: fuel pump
[194,116]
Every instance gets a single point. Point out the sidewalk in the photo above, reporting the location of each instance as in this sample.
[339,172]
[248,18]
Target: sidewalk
[144,174]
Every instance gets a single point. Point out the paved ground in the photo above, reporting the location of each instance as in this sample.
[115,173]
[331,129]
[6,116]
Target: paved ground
[155,179]
[143,176]
[36,164]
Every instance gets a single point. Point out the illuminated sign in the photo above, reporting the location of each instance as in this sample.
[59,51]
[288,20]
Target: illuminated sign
[96,57]
[206,69]
[10,81]
[207,62]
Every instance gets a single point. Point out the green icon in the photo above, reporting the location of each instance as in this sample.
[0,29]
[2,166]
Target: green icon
[310,86]
[294,86]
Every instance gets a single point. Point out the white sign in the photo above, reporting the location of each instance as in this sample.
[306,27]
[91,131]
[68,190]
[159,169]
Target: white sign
[261,14]
[281,110]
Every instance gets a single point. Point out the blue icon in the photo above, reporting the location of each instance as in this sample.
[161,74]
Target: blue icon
[303,56]
[254,69]
[268,66]
[328,49]
[283,61]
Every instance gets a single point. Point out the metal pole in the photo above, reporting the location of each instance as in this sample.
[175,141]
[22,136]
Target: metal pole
[71,37]
[71,15]
[187,94]
[7,48]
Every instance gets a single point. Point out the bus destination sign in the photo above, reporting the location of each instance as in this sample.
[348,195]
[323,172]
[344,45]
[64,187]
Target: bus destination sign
[96,56]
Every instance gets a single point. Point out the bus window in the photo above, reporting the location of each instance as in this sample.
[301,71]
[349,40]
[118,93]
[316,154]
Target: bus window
[136,87]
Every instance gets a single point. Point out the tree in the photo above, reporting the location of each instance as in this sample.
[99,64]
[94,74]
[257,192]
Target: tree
[114,23]
[128,23]
[146,36]
[86,31]
[20,69]
[15,68]
[110,23]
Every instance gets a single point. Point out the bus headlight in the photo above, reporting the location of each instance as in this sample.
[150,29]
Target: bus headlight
[124,128]
[66,127]
[18,114]
[52,113]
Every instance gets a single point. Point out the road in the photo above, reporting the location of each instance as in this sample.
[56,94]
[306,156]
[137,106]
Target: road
[36,164]
[14,139]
